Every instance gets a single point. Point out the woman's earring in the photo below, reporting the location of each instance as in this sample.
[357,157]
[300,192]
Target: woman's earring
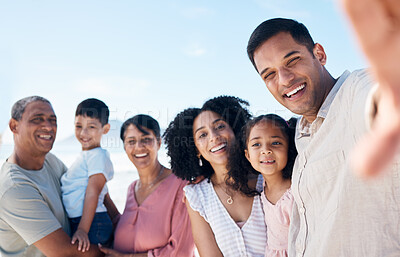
[200,161]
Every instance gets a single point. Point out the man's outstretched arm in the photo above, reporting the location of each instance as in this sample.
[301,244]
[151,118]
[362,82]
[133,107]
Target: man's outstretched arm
[377,26]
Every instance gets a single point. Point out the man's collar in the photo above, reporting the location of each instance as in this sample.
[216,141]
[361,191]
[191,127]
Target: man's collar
[323,111]
[304,125]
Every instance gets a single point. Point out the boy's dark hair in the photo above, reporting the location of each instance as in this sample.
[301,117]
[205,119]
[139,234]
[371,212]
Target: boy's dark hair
[141,121]
[240,167]
[272,27]
[179,135]
[93,108]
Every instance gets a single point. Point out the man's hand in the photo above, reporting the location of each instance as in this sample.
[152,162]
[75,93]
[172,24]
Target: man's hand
[113,253]
[82,238]
[58,244]
[377,25]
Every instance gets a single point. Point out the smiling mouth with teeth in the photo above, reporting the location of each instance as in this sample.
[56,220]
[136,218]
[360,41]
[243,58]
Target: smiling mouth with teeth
[217,148]
[294,91]
[140,155]
[45,136]
[268,161]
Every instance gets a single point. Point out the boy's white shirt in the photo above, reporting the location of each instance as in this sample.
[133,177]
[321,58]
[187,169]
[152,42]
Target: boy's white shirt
[74,182]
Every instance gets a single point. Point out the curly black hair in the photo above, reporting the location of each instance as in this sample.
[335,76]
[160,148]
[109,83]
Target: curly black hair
[179,139]
[240,168]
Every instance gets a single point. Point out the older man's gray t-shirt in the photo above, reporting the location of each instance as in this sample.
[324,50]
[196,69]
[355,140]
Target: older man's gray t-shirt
[30,206]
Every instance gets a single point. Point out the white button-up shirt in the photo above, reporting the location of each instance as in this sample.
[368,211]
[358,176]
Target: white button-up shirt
[336,213]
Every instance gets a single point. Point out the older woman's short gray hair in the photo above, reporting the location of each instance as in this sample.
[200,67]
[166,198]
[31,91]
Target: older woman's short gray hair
[19,107]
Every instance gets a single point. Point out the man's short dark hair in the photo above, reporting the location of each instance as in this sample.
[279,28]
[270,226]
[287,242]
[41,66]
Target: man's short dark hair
[93,108]
[19,107]
[272,27]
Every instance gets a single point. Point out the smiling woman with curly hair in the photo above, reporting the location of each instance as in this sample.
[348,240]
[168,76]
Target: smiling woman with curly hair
[224,221]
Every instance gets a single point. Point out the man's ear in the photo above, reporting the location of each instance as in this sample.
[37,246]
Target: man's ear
[319,53]
[13,125]
[106,128]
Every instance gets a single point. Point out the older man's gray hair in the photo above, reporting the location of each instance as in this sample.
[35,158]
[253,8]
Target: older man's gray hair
[19,107]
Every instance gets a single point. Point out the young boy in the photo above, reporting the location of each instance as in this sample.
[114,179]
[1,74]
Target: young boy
[84,184]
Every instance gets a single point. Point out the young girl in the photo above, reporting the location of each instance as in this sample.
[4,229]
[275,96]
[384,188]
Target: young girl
[268,146]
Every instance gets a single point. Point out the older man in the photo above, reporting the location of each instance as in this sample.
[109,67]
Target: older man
[32,218]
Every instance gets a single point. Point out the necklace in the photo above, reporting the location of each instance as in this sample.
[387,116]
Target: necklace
[151,184]
[230,198]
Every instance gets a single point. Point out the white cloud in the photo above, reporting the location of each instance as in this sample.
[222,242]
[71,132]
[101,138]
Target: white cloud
[195,50]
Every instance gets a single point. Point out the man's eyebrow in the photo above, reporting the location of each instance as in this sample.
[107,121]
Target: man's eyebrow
[286,56]
[264,71]
[291,53]
[42,113]
[38,114]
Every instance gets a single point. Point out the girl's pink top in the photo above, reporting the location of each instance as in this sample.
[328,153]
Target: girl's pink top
[277,218]
[160,226]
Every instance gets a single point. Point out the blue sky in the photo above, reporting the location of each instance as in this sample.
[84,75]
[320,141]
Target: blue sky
[153,57]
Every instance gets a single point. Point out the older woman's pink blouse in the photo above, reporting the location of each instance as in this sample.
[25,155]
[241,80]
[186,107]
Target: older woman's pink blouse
[160,226]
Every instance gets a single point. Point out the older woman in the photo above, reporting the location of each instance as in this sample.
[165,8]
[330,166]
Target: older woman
[155,221]
[225,222]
